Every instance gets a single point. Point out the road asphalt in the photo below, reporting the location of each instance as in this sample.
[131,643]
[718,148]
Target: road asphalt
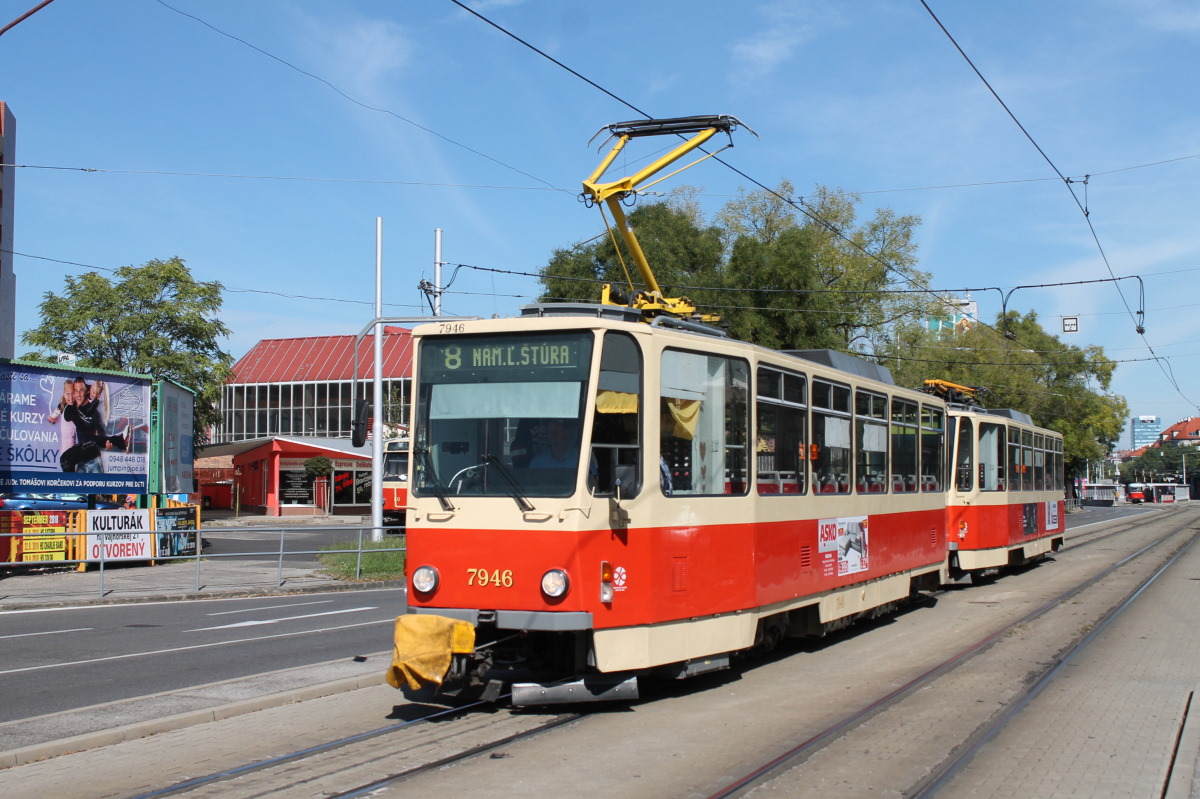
[42,737]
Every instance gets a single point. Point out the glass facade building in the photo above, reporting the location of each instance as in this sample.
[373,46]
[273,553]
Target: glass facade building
[317,409]
[1143,431]
[304,387]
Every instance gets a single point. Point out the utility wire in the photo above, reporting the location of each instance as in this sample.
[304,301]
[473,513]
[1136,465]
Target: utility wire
[812,214]
[374,181]
[799,205]
[232,289]
[1067,184]
[355,100]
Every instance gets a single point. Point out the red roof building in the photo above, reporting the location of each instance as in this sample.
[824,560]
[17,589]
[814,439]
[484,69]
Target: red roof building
[303,386]
[1185,432]
[290,399]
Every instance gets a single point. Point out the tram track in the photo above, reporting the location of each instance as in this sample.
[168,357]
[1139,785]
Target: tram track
[372,760]
[952,766]
[940,773]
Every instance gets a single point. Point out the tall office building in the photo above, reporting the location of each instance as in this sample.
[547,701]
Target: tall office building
[1143,431]
[8,279]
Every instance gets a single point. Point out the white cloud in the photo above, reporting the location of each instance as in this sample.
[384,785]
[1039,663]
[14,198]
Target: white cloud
[787,26]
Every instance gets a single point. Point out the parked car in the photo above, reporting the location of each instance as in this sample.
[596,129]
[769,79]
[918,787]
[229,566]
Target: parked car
[51,502]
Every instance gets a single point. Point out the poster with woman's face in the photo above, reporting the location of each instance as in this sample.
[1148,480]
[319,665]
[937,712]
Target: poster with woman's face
[72,431]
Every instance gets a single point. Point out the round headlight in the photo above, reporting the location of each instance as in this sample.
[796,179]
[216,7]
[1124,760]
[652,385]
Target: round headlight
[425,579]
[555,583]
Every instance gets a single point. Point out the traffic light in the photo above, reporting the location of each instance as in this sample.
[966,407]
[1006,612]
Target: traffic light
[358,428]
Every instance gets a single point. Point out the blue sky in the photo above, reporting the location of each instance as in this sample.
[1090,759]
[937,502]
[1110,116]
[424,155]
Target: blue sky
[270,180]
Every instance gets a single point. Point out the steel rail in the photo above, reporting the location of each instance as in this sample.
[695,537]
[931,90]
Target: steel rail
[262,765]
[938,778]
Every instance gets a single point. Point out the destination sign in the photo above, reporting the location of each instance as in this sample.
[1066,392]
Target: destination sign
[542,357]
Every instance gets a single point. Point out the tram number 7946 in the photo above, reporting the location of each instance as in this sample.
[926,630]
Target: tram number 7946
[484,578]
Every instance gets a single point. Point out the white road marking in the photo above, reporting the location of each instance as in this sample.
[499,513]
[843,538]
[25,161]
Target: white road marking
[390,620]
[270,607]
[258,622]
[49,632]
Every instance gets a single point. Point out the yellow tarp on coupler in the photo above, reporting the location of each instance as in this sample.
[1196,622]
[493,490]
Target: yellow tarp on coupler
[424,647]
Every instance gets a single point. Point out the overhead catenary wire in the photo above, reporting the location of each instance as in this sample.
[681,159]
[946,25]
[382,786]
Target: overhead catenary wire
[799,204]
[232,289]
[806,210]
[354,99]
[1067,182]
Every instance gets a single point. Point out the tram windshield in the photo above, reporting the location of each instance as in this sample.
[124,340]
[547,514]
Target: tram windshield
[501,415]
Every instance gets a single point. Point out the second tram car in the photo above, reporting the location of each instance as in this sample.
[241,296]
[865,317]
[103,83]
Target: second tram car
[1006,505]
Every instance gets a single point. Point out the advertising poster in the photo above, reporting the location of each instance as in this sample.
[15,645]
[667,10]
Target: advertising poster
[176,529]
[34,536]
[842,543]
[175,426]
[119,535]
[1051,515]
[72,431]
[295,487]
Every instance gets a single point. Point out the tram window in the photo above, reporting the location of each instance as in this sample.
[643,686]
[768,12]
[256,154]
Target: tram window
[933,448]
[870,424]
[831,438]
[1059,485]
[1026,460]
[1039,462]
[703,424]
[991,456]
[616,423]
[1015,469]
[964,457]
[904,446]
[781,455]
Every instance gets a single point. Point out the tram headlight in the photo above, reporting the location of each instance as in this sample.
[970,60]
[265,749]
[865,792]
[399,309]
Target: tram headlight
[425,579]
[555,583]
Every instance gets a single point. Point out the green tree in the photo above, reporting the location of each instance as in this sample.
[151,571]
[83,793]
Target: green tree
[778,277]
[153,319]
[866,272]
[317,466]
[1062,387]
[680,252]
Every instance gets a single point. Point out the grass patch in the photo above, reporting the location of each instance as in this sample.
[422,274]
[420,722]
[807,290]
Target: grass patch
[341,560]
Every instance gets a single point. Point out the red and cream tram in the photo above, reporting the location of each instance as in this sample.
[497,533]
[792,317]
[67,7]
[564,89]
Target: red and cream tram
[395,479]
[601,492]
[601,498]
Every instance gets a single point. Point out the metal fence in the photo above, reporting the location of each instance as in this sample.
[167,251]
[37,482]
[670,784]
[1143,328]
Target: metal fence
[279,551]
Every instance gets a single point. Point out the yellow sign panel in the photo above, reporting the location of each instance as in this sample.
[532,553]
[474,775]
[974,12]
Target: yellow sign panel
[50,544]
[40,556]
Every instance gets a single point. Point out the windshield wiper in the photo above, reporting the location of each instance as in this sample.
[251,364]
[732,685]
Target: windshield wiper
[431,478]
[517,493]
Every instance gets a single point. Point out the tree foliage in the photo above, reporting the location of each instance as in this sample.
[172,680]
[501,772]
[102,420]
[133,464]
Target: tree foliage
[153,319]
[815,276]
[778,276]
[1062,387]
[318,466]
[1163,463]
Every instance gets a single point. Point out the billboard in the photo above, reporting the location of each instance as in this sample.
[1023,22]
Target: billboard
[72,431]
[175,406]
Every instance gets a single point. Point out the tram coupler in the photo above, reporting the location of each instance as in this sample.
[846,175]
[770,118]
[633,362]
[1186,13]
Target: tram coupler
[594,688]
